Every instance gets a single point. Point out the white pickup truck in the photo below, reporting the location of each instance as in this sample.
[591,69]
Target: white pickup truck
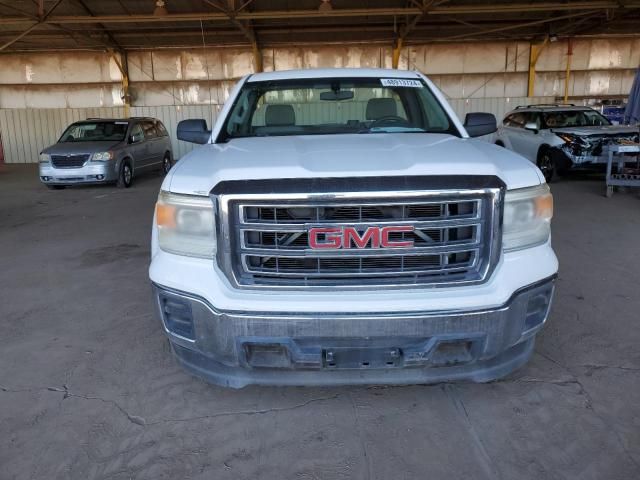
[341,226]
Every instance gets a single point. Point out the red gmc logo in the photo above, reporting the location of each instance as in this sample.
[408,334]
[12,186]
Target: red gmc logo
[348,237]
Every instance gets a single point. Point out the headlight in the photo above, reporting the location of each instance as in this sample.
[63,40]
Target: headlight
[572,139]
[527,217]
[566,137]
[102,156]
[45,158]
[186,225]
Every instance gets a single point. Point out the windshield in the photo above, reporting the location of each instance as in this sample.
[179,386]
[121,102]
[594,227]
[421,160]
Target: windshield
[335,106]
[574,118]
[95,132]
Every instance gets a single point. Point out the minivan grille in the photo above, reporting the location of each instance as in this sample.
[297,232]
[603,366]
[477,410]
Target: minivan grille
[452,240]
[69,161]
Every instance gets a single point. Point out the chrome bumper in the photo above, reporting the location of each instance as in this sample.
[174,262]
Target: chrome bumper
[236,348]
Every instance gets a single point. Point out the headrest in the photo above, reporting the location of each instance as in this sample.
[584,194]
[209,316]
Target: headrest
[279,115]
[381,107]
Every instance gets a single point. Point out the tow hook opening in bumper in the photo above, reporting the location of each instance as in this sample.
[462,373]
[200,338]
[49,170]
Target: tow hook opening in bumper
[356,353]
[241,348]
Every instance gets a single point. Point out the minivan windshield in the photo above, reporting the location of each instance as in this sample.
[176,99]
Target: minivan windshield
[334,106]
[574,118]
[95,132]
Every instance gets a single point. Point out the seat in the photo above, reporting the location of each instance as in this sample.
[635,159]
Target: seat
[279,115]
[381,107]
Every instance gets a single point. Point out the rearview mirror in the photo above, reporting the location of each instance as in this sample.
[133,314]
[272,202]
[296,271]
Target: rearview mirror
[337,95]
[194,131]
[478,124]
[532,126]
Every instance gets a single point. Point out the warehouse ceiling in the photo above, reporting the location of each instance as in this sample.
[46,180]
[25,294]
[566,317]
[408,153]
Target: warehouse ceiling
[45,25]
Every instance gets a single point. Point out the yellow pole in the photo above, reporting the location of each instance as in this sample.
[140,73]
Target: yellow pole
[125,82]
[257,57]
[395,59]
[568,74]
[536,50]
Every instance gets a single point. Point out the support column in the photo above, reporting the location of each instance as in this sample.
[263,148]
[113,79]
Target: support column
[395,59]
[568,73]
[257,56]
[536,50]
[124,72]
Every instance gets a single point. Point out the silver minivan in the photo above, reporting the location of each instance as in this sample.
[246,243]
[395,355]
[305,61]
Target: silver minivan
[99,150]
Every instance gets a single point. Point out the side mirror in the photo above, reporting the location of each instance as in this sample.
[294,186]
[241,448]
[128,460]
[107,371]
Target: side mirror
[532,126]
[135,138]
[194,131]
[478,124]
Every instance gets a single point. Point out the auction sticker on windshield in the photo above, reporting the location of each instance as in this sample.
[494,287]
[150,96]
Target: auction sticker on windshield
[400,82]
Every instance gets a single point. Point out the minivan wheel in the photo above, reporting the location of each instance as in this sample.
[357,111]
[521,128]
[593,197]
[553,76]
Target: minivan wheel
[126,175]
[546,165]
[166,164]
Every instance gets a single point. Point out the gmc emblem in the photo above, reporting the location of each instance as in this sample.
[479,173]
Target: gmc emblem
[348,237]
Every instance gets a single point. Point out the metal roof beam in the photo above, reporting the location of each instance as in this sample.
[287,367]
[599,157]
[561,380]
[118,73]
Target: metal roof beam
[245,27]
[244,15]
[32,27]
[113,41]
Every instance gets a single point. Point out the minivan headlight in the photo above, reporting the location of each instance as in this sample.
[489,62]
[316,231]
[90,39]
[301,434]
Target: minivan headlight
[45,158]
[186,225]
[102,156]
[527,217]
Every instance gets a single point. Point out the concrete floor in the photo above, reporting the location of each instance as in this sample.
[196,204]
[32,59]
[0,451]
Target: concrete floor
[89,388]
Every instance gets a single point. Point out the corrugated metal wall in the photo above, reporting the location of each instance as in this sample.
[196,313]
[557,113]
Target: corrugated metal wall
[25,132]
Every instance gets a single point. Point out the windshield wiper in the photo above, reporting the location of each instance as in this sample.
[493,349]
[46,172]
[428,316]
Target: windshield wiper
[393,130]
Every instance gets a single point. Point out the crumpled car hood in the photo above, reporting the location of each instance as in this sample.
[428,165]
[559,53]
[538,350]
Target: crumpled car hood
[601,130]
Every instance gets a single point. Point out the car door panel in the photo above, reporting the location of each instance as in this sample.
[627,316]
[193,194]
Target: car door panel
[520,138]
[154,143]
[139,151]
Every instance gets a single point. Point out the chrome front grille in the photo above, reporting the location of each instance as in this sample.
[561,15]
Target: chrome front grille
[265,239]
[69,161]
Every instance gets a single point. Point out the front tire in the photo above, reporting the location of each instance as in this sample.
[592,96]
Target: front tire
[166,163]
[125,177]
[547,166]
[55,187]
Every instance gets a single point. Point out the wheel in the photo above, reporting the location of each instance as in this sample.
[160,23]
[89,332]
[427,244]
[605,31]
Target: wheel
[500,144]
[609,192]
[55,187]
[126,175]
[166,164]
[546,165]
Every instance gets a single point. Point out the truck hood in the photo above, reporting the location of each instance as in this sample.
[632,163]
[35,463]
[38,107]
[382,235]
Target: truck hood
[346,155]
[597,130]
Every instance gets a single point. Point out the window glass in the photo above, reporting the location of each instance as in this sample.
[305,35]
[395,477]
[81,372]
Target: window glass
[534,117]
[95,132]
[162,131]
[334,106]
[574,118]
[518,119]
[149,130]
[137,131]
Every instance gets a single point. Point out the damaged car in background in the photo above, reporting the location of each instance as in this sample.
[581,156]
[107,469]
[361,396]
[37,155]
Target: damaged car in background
[559,138]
